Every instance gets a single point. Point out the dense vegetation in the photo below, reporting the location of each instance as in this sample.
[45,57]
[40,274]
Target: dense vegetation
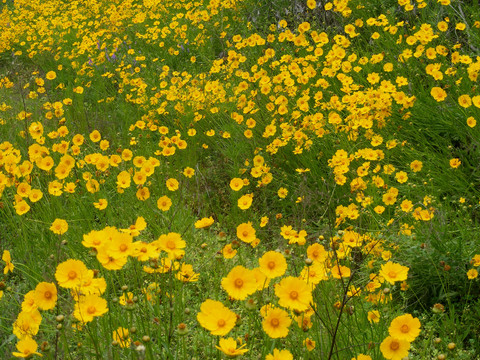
[255,179]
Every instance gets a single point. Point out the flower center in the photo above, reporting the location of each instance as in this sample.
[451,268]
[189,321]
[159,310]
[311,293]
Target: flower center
[275,322]
[91,309]
[392,274]
[245,233]
[47,294]
[394,345]
[271,265]
[238,283]
[72,275]
[404,329]
[221,323]
[171,244]
[293,295]
[123,247]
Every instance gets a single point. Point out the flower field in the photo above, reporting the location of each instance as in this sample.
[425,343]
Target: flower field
[283,179]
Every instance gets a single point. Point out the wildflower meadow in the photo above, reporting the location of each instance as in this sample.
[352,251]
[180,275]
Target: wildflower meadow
[212,179]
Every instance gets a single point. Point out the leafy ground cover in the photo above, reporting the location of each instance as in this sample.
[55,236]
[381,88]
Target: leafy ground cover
[262,180]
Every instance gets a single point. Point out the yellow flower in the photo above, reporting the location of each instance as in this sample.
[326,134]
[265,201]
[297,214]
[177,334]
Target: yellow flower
[88,307]
[216,318]
[26,348]
[405,327]
[280,354]
[172,243]
[373,316]
[45,296]
[471,121]
[239,283]
[101,204]
[455,163]
[276,322]
[164,203]
[393,272]
[70,273]
[172,184]
[59,226]
[236,184]
[438,94]
[245,201]
[309,344]
[6,257]
[394,349]
[472,274]
[273,264]
[204,222]
[229,347]
[246,232]
[282,193]
[294,293]
[121,336]
[51,75]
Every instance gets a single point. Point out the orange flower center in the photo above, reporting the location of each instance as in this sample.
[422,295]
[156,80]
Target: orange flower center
[221,323]
[91,309]
[271,265]
[404,329]
[238,283]
[245,233]
[394,345]
[274,322]
[47,294]
[123,247]
[392,274]
[171,244]
[293,295]
[72,274]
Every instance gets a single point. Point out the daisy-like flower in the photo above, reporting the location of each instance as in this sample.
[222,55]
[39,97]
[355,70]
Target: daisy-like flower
[88,307]
[121,336]
[173,244]
[394,349]
[279,355]
[229,347]
[59,226]
[246,232]
[45,295]
[204,223]
[294,293]
[393,272]
[69,274]
[26,348]
[276,322]
[216,318]
[239,283]
[405,327]
[273,264]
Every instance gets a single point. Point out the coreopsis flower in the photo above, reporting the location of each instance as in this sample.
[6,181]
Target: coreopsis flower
[236,184]
[164,203]
[276,322]
[69,274]
[6,257]
[121,336]
[314,273]
[279,355]
[472,274]
[45,295]
[393,272]
[188,172]
[309,344]
[455,163]
[135,229]
[394,349]
[59,226]
[228,251]
[172,243]
[51,75]
[27,324]
[317,253]
[216,318]
[340,271]
[373,316]
[89,307]
[405,327]
[229,347]
[246,232]
[186,274]
[101,204]
[294,293]
[239,283]
[204,223]
[245,201]
[28,303]
[172,184]
[26,347]
[273,264]
[438,93]
[362,357]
